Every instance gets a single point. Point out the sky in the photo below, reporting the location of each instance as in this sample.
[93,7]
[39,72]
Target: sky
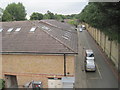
[65,7]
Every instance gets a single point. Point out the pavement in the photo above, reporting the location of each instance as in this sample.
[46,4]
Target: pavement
[104,77]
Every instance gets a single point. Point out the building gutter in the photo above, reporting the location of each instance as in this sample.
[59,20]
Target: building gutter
[34,53]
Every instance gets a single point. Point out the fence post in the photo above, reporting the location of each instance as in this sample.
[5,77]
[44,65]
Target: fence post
[104,42]
[110,48]
[119,58]
[100,38]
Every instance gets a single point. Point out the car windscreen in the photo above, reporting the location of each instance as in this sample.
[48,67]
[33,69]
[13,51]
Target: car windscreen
[90,55]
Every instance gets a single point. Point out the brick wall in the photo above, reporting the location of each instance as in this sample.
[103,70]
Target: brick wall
[0,66]
[36,67]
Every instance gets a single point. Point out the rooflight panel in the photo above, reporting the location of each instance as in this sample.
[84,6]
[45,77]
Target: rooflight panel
[10,30]
[67,34]
[65,37]
[18,29]
[1,29]
[32,29]
[46,28]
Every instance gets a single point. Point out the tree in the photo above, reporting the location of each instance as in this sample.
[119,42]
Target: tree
[36,16]
[49,15]
[1,12]
[6,16]
[104,16]
[59,17]
[15,12]
[46,16]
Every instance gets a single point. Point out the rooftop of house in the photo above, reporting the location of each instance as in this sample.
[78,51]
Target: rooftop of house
[39,36]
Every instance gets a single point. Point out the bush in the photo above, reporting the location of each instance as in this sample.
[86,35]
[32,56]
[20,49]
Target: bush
[2,84]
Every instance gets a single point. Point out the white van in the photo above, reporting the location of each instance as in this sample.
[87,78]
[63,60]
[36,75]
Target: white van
[83,27]
[89,54]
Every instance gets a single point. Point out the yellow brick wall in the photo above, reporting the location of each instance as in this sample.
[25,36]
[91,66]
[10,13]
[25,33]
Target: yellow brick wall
[0,66]
[70,65]
[36,67]
[22,80]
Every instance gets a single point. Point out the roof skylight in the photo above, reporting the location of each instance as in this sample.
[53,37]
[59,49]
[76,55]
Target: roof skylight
[18,29]
[10,30]
[67,34]
[65,37]
[1,29]
[46,28]
[32,29]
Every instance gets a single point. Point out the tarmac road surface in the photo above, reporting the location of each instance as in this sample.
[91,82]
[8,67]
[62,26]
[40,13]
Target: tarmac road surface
[104,77]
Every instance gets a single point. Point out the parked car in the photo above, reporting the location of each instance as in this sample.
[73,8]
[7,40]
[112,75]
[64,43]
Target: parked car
[83,27]
[33,84]
[90,65]
[81,30]
[89,54]
[76,29]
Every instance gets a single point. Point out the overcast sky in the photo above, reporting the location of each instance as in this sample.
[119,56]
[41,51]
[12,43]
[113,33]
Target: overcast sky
[55,6]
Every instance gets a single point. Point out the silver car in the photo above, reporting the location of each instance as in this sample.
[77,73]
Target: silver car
[90,65]
[81,30]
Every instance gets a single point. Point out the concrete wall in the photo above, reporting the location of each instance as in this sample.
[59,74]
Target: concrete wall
[36,67]
[109,47]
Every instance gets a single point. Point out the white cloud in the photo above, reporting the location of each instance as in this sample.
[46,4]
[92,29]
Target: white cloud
[55,6]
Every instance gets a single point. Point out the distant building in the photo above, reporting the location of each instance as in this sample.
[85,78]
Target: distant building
[42,51]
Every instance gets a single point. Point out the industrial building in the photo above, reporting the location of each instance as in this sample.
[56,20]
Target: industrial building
[41,51]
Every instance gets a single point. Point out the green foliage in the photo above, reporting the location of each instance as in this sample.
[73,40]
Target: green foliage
[59,17]
[14,12]
[2,84]
[46,16]
[73,16]
[7,16]
[73,22]
[49,15]
[1,12]
[36,16]
[104,16]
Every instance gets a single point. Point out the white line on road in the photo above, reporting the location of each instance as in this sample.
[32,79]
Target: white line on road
[99,74]
[94,78]
[99,71]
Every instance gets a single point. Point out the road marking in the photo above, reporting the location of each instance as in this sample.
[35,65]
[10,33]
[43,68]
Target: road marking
[99,72]
[94,78]
[105,58]
[98,47]
[99,76]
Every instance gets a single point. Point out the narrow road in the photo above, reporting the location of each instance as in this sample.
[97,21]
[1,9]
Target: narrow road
[104,77]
